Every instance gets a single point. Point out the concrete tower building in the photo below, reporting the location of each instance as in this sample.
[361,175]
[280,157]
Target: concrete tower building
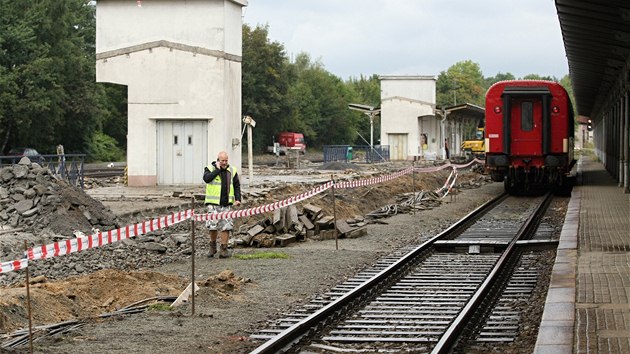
[181,63]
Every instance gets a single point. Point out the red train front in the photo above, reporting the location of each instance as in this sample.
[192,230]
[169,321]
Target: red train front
[529,136]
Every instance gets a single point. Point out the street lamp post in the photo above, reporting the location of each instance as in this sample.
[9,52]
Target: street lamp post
[370,112]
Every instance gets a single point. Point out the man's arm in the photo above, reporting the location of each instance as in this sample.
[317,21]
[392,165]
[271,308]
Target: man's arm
[236,182]
[208,175]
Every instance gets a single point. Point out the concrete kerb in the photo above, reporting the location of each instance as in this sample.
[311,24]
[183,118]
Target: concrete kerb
[557,327]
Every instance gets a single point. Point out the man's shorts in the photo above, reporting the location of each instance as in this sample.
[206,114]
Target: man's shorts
[220,224]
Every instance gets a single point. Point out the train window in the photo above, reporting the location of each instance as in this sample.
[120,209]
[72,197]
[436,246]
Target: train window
[527,116]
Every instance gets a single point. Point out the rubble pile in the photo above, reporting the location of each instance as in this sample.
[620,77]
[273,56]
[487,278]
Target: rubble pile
[35,200]
[291,224]
[38,208]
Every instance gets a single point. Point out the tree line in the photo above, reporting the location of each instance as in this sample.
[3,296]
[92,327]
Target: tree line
[49,95]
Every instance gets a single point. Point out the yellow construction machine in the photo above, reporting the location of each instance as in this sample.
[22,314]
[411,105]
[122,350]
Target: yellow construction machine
[475,147]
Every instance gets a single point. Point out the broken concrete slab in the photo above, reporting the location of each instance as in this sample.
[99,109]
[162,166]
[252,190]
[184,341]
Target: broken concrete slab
[325,222]
[255,230]
[343,227]
[358,232]
[306,222]
[284,240]
[312,210]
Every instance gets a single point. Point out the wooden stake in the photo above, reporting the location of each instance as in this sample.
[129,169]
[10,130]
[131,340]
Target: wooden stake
[413,183]
[192,241]
[332,178]
[28,306]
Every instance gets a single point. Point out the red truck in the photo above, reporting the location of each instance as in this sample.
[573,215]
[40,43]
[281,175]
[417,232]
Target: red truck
[288,141]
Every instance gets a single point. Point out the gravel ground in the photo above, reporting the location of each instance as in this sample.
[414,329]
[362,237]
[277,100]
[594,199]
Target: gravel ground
[261,289]
[236,297]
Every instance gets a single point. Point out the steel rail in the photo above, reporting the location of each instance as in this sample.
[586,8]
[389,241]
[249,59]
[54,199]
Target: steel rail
[294,333]
[446,343]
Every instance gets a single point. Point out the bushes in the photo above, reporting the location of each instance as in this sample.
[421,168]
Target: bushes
[105,148]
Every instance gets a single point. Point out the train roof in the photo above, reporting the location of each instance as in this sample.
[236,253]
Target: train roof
[552,85]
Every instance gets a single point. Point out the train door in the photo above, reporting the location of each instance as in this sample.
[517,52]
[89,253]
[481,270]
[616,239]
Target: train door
[526,127]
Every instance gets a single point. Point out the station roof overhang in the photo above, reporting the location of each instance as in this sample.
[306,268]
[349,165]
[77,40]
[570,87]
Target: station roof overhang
[596,39]
[462,112]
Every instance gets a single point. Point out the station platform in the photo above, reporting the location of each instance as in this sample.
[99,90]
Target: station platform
[588,304]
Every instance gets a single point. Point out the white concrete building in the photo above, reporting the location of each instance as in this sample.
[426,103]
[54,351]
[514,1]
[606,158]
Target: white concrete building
[181,62]
[407,115]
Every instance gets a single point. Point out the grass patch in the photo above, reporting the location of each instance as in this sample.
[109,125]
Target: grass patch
[160,306]
[262,255]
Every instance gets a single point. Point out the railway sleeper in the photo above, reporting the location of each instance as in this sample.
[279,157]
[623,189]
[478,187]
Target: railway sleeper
[384,333]
[381,339]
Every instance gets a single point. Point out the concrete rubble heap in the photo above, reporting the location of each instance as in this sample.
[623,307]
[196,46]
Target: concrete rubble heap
[291,224]
[39,208]
[33,199]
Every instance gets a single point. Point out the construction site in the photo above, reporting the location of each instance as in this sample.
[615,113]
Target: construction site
[116,296]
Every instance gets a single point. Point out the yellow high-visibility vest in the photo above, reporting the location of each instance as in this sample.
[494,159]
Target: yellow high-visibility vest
[213,189]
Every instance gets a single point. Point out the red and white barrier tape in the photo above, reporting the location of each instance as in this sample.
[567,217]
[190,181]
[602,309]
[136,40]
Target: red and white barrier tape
[10,266]
[98,239]
[263,208]
[373,180]
[447,165]
[448,185]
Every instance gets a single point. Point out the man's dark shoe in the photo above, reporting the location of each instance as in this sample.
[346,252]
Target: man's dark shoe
[213,249]
[223,253]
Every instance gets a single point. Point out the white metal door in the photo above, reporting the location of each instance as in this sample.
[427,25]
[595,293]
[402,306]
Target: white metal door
[397,146]
[182,151]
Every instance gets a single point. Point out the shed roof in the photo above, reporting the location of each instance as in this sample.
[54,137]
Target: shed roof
[465,111]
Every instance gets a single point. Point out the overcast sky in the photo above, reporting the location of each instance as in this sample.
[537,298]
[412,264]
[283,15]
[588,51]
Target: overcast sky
[417,37]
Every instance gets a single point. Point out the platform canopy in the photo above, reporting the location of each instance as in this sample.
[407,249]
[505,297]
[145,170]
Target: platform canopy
[596,38]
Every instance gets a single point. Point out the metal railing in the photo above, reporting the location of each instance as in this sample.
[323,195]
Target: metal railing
[361,153]
[69,167]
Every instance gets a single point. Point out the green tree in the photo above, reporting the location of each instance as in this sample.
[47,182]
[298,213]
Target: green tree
[266,78]
[566,83]
[489,81]
[367,90]
[47,58]
[463,82]
[322,104]
[539,77]
[112,112]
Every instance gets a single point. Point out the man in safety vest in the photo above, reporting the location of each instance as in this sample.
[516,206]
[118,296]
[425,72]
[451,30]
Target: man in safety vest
[223,189]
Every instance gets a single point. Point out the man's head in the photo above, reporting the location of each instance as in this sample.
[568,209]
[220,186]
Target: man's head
[222,160]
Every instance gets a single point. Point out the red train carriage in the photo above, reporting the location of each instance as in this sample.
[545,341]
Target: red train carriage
[529,136]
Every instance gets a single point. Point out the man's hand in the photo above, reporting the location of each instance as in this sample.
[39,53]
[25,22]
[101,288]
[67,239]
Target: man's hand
[237,203]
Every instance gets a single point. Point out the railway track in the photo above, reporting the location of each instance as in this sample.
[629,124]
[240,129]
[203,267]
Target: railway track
[460,288]
[104,172]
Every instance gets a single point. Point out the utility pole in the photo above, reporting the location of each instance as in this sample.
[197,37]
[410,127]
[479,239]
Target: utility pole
[250,122]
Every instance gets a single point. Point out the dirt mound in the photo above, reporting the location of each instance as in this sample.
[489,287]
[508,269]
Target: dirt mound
[100,292]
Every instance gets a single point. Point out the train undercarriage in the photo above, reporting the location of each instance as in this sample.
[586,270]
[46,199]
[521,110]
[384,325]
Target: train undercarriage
[525,180]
